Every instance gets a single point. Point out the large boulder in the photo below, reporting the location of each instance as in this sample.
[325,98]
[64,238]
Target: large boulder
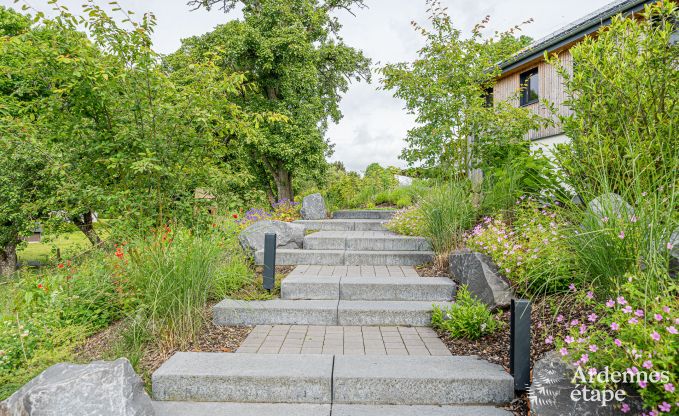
[610,205]
[551,390]
[313,207]
[100,388]
[288,235]
[480,274]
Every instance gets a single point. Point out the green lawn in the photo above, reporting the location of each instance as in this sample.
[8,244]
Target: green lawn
[70,243]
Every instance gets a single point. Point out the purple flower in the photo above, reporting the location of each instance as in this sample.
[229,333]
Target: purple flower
[604,219]
[610,303]
[572,287]
[549,340]
[665,407]
[658,317]
[632,370]
[647,364]
[615,326]
[574,322]
[655,336]
[618,342]
[639,313]
[593,348]
[670,246]
[633,219]
[621,235]
[569,339]
[642,384]
[624,408]
[633,321]
[669,387]
[584,358]
[672,330]
[559,318]
[592,317]
[583,329]
[627,309]
[563,351]
[590,295]
[592,371]
[666,309]
[621,300]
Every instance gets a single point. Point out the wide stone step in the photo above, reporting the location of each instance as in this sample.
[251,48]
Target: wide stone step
[324,312]
[386,313]
[292,257]
[343,225]
[365,241]
[368,288]
[419,380]
[247,378]
[288,409]
[275,312]
[240,409]
[364,214]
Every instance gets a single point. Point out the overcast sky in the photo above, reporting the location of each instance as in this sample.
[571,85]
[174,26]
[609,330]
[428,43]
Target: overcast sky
[374,123]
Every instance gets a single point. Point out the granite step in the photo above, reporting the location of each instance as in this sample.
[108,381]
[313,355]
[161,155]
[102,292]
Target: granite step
[240,409]
[343,225]
[365,241]
[368,288]
[364,214]
[293,257]
[386,313]
[324,312]
[288,409]
[244,378]
[419,380]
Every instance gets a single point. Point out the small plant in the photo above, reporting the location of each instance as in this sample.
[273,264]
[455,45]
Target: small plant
[286,210]
[409,221]
[467,318]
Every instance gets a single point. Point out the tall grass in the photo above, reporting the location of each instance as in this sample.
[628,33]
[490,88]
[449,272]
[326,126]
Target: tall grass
[447,213]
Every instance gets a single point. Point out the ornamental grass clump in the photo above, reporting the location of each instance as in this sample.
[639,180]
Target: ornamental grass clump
[467,318]
[634,333]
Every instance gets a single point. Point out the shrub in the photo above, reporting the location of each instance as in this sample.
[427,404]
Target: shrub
[286,210]
[466,318]
[533,252]
[409,221]
[635,331]
[447,213]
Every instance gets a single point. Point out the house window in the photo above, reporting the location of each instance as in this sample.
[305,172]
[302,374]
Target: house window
[530,90]
[488,97]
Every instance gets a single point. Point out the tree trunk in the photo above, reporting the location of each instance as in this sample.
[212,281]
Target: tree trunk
[283,179]
[8,258]
[84,223]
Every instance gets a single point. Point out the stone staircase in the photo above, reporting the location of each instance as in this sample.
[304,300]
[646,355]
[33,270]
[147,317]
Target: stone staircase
[354,238]
[362,308]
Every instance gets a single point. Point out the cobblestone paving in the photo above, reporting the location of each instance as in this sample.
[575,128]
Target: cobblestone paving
[343,340]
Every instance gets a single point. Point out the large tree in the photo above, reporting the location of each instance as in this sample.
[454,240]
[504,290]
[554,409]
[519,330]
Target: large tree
[445,87]
[297,65]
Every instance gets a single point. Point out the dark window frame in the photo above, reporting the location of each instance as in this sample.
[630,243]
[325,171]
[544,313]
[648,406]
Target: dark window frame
[488,97]
[526,89]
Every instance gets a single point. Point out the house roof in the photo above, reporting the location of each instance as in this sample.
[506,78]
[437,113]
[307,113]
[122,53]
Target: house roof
[573,31]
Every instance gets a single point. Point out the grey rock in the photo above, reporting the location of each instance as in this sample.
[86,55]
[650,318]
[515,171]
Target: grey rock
[410,410]
[313,207]
[419,380]
[610,205]
[99,388]
[550,393]
[239,409]
[310,287]
[481,276]
[247,378]
[289,235]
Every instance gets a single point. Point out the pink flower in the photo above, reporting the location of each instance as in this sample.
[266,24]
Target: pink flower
[569,339]
[642,384]
[584,358]
[593,348]
[632,370]
[624,408]
[658,317]
[563,351]
[549,340]
[639,313]
[610,303]
[572,287]
[647,364]
[604,219]
[559,318]
[621,300]
[618,342]
[592,317]
[621,235]
[665,407]
[670,246]
[627,309]
[615,326]
[669,387]
[574,322]
[655,336]
[583,329]
[672,330]
[592,371]
[590,295]
[666,309]
[633,321]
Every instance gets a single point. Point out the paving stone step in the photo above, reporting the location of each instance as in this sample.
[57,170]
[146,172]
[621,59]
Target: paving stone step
[287,409]
[324,312]
[367,288]
[365,214]
[275,312]
[292,257]
[419,380]
[365,241]
[247,378]
[385,313]
[344,225]
[405,410]
[239,409]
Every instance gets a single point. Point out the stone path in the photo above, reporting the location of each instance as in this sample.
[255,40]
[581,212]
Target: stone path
[350,336]
[347,340]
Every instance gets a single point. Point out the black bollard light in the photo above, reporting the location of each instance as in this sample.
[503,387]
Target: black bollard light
[519,347]
[269,275]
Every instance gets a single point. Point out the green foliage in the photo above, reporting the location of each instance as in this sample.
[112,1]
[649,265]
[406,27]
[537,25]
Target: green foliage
[445,88]
[638,329]
[467,318]
[447,213]
[624,92]
[408,221]
[298,66]
[533,251]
